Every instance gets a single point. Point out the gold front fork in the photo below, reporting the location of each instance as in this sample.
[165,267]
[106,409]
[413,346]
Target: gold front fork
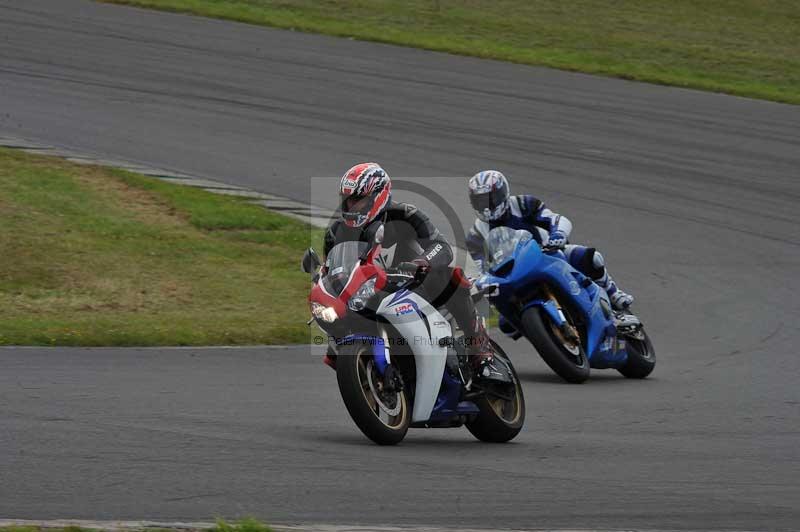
[568,332]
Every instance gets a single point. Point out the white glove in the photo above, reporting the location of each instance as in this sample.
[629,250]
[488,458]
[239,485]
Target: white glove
[557,239]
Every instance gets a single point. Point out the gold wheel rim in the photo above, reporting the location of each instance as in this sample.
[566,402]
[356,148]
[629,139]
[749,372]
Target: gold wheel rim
[365,365]
[501,406]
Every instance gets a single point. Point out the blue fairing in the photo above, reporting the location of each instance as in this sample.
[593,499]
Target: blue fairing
[448,404]
[521,276]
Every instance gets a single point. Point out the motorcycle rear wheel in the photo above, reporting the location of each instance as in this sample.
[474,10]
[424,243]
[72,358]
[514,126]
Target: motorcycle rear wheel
[641,356]
[500,420]
[383,417]
[567,359]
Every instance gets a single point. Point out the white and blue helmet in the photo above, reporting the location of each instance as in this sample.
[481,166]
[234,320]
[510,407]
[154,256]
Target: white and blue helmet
[488,194]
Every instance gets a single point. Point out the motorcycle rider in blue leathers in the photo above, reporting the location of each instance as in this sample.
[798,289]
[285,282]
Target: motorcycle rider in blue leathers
[494,206]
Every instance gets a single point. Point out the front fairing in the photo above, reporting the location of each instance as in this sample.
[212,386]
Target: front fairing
[349,266]
[342,262]
[426,333]
[514,277]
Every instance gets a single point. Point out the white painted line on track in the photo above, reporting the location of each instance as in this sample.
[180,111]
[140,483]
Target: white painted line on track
[124,526]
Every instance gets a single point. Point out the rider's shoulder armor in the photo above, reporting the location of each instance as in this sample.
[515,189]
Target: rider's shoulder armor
[401,211]
[406,212]
[525,206]
[521,214]
[410,214]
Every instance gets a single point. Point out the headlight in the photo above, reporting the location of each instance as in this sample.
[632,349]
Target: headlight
[321,312]
[359,299]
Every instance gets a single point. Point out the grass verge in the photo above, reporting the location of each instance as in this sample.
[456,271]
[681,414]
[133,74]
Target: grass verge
[245,525]
[92,256]
[744,47]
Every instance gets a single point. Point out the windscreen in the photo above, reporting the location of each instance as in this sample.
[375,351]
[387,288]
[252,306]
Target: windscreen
[500,244]
[341,261]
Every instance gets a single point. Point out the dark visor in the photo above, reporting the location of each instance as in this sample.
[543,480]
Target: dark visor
[358,205]
[487,200]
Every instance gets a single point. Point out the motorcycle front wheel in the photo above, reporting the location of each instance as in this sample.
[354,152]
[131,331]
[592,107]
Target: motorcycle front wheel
[566,357]
[381,412]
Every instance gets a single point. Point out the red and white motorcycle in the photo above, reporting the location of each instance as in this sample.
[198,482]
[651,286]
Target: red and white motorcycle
[397,361]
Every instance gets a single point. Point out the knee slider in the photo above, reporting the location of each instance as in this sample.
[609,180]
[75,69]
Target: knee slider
[597,259]
[594,263]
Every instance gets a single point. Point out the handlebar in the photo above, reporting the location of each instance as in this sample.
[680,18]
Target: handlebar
[405,280]
[395,272]
[485,290]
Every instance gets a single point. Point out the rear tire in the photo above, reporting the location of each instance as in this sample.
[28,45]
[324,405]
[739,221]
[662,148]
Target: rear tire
[572,367]
[358,380]
[641,357]
[500,421]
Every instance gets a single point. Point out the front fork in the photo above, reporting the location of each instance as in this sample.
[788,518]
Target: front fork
[550,305]
[392,379]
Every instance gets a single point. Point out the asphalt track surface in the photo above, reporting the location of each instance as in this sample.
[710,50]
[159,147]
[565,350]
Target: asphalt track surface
[691,196]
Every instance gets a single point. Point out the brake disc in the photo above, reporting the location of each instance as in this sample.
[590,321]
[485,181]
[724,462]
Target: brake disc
[379,396]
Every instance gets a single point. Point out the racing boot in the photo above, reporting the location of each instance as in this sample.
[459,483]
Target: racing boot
[481,355]
[619,300]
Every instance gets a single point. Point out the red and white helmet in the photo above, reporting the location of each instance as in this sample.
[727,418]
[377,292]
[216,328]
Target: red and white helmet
[365,192]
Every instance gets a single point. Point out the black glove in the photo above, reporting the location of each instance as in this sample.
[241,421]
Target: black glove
[417,268]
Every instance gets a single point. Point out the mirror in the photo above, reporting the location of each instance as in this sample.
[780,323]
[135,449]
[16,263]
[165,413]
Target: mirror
[310,261]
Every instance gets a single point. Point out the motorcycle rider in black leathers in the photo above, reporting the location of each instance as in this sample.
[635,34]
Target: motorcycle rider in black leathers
[420,250]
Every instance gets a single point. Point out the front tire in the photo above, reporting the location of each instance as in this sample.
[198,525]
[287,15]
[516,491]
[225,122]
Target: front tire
[641,356]
[500,420]
[567,359]
[383,416]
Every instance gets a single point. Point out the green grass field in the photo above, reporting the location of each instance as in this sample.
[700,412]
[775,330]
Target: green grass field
[96,256]
[744,47]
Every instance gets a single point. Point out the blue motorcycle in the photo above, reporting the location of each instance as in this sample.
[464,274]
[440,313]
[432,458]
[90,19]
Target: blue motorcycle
[563,313]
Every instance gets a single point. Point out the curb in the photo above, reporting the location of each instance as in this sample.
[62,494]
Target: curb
[139,526]
[312,215]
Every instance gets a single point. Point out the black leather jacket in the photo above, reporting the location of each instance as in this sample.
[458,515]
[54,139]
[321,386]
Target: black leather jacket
[408,235]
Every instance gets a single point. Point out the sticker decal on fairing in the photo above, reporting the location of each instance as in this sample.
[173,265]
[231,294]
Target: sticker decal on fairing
[405,308]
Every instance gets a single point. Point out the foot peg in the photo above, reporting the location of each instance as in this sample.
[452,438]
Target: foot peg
[626,322]
[493,370]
